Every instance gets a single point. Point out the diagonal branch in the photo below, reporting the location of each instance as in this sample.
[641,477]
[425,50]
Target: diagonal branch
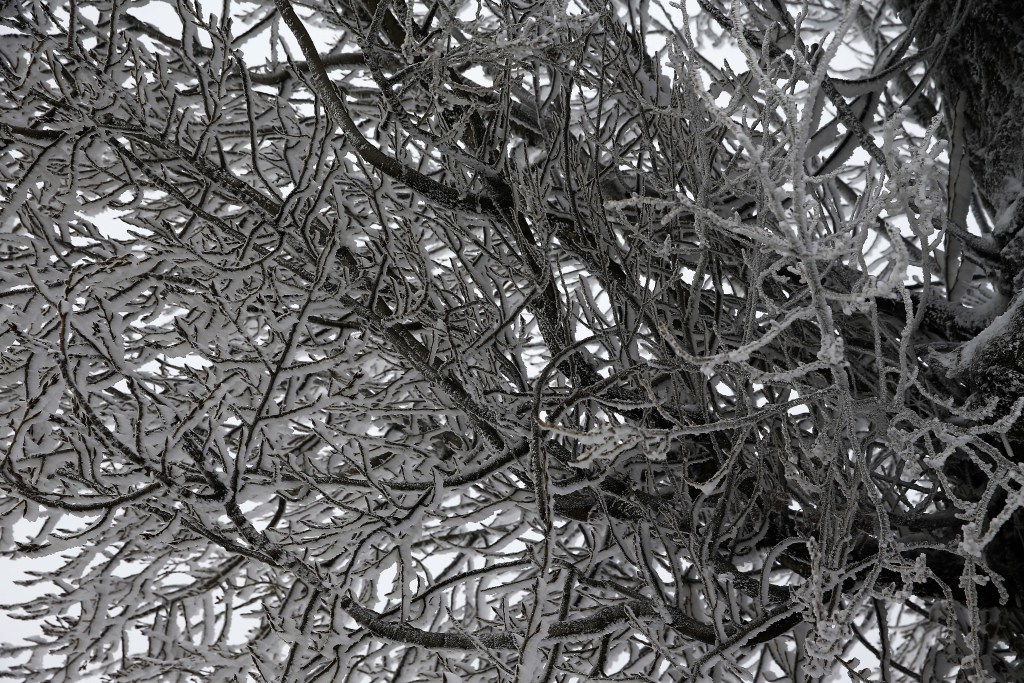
[338,112]
[590,626]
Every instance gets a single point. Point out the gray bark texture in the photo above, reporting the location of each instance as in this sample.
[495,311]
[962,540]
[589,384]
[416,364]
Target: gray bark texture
[977,64]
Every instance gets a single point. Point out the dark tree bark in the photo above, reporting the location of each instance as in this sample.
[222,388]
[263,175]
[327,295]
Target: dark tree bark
[977,66]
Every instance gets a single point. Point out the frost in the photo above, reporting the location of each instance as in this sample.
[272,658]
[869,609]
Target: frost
[1000,326]
[482,343]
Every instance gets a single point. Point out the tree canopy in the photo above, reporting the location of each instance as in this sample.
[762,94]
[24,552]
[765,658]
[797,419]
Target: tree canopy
[477,341]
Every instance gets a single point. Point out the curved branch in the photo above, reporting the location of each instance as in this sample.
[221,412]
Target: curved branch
[587,627]
[337,110]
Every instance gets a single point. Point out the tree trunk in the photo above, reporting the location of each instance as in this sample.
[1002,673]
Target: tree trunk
[977,65]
